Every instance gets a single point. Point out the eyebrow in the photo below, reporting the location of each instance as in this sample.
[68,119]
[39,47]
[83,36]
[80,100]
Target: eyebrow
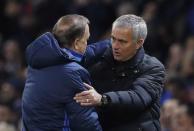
[121,40]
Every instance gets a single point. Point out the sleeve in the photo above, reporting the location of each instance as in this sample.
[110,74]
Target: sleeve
[145,90]
[94,52]
[80,117]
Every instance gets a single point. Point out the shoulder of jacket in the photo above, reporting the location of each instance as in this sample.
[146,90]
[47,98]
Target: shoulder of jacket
[151,62]
[75,68]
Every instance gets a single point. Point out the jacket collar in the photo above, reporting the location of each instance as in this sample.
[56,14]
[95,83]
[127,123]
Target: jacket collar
[137,58]
[133,62]
[74,55]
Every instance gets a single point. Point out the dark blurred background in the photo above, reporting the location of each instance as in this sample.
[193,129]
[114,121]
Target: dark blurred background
[170,39]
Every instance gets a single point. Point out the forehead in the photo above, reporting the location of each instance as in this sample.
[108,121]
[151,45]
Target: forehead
[121,32]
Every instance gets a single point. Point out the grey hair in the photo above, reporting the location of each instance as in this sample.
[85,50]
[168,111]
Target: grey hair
[137,24]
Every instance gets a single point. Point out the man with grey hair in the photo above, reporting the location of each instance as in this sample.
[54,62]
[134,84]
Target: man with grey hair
[128,83]
[55,76]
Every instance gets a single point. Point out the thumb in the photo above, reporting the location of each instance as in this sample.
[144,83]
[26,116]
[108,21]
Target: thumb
[89,87]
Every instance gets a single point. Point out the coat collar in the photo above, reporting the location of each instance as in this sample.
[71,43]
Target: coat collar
[72,54]
[133,62]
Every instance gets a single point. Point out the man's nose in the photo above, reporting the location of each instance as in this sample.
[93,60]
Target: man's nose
[116,45]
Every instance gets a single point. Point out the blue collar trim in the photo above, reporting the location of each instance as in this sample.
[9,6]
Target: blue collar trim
[77,56]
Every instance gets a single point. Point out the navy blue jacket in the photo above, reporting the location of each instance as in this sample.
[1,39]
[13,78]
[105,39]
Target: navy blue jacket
[53,79]
[133,87]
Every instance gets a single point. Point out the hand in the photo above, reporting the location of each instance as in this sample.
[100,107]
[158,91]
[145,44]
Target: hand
[88,98]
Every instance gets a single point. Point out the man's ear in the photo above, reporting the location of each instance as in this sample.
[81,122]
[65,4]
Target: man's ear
[76,44]
[139,43]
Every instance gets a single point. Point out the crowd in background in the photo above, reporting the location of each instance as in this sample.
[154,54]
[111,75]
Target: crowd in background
[170,39]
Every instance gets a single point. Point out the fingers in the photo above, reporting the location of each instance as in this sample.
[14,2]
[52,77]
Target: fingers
[83,93]
[88,86]
[89,97]
[85,99]
[82,100]
[86,104]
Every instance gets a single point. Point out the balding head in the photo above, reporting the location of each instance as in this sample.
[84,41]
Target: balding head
[68,28]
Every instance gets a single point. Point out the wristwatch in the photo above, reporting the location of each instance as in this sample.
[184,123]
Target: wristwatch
[104,100]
